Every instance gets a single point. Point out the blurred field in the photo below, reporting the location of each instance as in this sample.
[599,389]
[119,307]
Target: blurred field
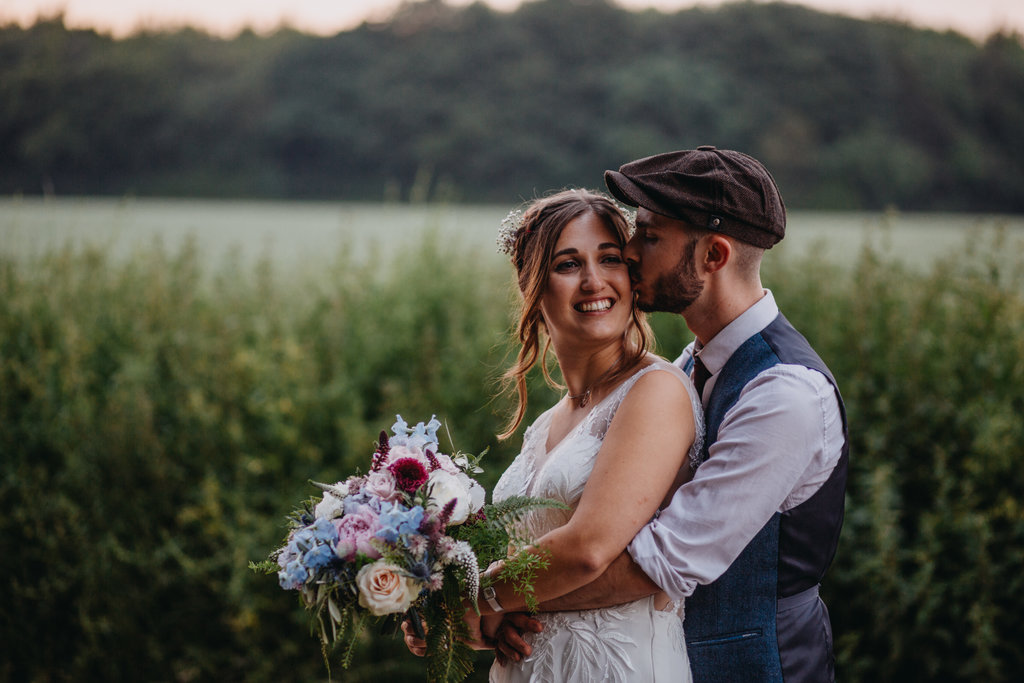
[310,234]
[163,407]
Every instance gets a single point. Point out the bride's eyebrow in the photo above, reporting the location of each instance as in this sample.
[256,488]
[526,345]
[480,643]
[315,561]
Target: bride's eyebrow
[574,250]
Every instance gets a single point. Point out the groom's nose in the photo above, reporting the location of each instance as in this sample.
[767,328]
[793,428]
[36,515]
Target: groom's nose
[632,252]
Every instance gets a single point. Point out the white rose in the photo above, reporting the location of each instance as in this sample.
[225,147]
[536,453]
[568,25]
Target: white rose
[476,491]
[330,507]
[383,590]
[445,487]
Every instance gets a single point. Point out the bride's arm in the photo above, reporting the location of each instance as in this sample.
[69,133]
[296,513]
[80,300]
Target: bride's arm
[642,453]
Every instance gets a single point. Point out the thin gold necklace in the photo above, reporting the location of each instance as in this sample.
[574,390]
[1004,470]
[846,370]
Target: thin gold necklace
[584,397]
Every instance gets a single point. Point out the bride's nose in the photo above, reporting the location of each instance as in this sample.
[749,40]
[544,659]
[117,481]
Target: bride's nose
[590,278]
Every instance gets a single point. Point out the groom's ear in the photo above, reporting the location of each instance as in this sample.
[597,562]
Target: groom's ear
[715,254]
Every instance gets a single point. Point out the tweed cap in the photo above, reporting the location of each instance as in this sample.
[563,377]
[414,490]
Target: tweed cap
[717,189]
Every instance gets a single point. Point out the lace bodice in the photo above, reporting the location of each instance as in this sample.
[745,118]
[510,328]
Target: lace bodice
[613,644]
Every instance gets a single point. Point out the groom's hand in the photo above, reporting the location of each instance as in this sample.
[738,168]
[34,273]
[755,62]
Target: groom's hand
[509,641]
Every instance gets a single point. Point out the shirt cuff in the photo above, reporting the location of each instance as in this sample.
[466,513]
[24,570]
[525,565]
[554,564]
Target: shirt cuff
[646,551]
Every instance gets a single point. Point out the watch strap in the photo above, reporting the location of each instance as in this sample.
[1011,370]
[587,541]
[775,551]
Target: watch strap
[492,599]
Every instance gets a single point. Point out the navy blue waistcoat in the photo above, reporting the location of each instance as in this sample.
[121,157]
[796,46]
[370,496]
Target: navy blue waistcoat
[733,629]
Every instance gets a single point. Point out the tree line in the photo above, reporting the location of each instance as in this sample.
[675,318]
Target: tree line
[472,104]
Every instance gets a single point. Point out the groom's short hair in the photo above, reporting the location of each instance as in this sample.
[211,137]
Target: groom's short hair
[716,189]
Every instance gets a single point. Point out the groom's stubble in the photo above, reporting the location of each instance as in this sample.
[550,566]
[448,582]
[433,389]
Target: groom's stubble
[674,291]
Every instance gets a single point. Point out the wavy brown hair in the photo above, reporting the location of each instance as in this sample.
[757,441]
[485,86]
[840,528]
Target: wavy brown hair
[542,225]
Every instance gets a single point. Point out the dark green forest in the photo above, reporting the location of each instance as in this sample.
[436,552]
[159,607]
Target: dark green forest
[472,104]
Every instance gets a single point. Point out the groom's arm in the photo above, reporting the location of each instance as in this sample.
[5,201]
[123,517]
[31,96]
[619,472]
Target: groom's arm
[622,582]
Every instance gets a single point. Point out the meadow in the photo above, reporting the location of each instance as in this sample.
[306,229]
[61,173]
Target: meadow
[169,385]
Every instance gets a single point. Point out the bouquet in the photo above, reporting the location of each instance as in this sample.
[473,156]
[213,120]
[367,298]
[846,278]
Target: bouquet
[408,539]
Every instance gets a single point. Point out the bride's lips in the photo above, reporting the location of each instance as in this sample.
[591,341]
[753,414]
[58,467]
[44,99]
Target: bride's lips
[594,305]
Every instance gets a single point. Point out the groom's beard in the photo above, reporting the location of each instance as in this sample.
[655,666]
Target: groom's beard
[674,291]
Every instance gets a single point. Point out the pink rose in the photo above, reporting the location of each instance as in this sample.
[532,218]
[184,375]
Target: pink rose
[384,590]
[381,484]
[400,452]
[445,462]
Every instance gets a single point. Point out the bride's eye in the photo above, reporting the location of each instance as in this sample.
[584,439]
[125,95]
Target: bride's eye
[565,266]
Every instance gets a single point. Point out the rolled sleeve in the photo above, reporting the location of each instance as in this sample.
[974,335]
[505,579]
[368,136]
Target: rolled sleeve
[776,446]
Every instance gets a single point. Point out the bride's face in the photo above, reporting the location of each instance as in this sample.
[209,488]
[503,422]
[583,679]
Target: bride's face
[588,298]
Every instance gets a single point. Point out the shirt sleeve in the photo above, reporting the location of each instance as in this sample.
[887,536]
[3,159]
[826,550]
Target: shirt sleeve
[776,446]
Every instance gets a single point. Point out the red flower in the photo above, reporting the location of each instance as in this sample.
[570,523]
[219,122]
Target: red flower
[409,474]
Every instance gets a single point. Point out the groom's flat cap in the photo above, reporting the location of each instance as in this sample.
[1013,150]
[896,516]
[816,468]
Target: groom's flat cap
[717,189]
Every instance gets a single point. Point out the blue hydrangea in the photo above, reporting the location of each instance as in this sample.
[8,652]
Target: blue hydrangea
[318,557]
[293,575]
[324,531]
[302,541]
[360,500]
[396,521]
[421,436]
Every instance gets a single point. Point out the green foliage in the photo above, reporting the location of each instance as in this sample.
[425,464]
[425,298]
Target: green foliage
[473,104]
[500,536]
[452,658]
[158,419]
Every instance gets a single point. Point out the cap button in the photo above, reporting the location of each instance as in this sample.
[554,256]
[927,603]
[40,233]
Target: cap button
[706,148]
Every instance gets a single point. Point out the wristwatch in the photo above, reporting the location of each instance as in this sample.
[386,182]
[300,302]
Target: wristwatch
[492,599]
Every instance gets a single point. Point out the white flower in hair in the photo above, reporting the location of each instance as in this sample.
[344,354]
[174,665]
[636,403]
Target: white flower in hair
[508,233]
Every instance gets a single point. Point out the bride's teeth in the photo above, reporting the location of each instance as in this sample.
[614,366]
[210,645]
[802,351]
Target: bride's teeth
[590,306]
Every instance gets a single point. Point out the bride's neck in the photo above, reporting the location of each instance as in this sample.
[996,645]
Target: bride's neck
[584,372]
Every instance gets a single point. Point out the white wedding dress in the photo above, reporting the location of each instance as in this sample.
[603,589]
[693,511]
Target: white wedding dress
[630,642]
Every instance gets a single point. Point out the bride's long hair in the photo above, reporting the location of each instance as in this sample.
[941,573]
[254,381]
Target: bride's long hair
[533,245]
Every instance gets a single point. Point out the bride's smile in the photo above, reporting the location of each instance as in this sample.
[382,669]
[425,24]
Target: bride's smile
[594,306]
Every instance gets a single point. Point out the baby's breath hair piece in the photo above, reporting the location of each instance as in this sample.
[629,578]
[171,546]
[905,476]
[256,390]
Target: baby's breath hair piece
[508,233]
[512,226]
[630,216]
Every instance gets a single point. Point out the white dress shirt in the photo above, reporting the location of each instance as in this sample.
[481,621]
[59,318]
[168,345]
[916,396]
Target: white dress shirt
[776,446]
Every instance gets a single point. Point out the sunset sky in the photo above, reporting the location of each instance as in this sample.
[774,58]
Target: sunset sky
[977,18]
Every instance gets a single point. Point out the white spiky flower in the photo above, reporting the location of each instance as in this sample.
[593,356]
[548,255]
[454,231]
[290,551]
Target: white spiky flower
[462,555]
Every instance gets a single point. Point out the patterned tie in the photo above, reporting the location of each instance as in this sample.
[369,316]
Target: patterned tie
[700,375]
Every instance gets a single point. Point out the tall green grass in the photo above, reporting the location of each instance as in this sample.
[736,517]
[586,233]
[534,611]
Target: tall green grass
[158,418]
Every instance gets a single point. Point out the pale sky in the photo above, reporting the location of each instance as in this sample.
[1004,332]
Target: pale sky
[977,18]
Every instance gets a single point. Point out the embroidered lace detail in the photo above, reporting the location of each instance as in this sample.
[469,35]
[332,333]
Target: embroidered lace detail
[624,643]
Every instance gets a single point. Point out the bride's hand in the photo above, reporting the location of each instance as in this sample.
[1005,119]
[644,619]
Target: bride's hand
[416,645]
[494,569]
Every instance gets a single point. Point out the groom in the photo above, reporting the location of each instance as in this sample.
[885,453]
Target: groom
[749,539]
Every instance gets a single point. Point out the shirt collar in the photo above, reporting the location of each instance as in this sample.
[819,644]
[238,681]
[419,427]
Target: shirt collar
[720,348]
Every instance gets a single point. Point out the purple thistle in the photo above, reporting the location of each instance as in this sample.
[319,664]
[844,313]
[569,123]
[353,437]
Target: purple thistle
[432,459]
[381,455]
[431,527]
[446,512]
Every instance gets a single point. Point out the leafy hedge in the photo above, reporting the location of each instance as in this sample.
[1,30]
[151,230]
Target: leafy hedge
[159,417]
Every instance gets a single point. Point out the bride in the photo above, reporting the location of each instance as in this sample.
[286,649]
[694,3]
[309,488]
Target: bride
[613,449]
